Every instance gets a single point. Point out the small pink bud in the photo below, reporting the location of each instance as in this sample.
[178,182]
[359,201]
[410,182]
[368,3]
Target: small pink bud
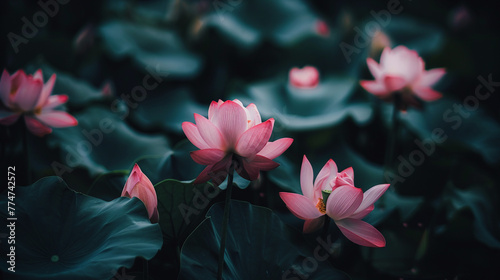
[138,185]
[307,77]
[107,89]
[322,28]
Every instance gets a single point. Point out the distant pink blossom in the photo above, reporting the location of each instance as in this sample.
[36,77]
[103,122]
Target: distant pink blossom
[346,204]
[402,70]
[27,95]
[108,89]
[138,185]
[233,134]
[307,77]
[322,28]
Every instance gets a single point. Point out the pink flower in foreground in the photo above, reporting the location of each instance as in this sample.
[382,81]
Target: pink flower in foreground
[310,206]
[307,77]
[233,133]
[402,70]
[346,204]
[27,95]
[138,185]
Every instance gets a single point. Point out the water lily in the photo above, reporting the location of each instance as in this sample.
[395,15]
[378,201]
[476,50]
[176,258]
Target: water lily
[233,133]
[307,77]
[345,203]
[310,205]
[402,70]
[27,95]
[138,185]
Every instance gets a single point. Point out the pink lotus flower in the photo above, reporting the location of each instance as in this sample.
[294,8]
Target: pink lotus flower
[402,70]
[307,77]
[233,133]
[138,185]
[346,204]
[310,206]
[27,95]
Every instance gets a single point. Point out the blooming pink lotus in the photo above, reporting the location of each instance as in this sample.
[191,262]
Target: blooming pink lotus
[346,204]
[27,95]
[402,70]
[307,77]
[138,185]
[233,133]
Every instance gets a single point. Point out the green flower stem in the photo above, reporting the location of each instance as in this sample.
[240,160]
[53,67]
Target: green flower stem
[26,151]
[225,221]
[393,136]
[326,226]
[145,269]
[391,148]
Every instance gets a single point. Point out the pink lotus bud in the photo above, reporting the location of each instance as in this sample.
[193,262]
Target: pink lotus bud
[307,77]
[322,28]
[138,185]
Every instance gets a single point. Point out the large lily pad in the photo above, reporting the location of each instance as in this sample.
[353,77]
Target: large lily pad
[471,127]
[79,92]
[486,225]
[258,246]
[181,207]
[150,47]
[61,234]
[308,109]
[167,110]
[102,142]
[249,23]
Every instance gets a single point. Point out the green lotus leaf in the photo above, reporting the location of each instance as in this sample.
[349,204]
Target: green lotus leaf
[103,142]
[150,47]
[167,110]
[61,234]
[258,246]
[472,128]
[249,23]
[181,206]
[308,109]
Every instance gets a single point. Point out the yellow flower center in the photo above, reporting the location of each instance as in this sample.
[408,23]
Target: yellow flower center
[321,206]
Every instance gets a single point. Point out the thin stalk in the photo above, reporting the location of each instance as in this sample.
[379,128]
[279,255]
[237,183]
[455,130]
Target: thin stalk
[391,144]
[326,226]
[225,221]
[26,151]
